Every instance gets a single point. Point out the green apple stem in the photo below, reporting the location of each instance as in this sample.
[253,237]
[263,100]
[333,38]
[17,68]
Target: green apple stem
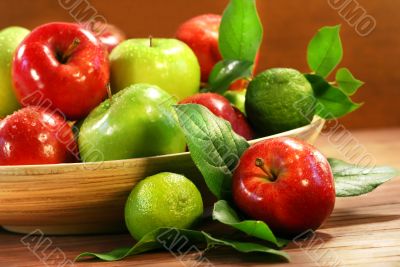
[261,164]
[71,48]
[109,93]
[151,41]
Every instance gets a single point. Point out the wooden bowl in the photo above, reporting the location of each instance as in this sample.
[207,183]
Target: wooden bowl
[84,198]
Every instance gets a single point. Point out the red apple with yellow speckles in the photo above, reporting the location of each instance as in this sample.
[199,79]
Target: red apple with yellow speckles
[61,66]
[286,183]
[34,135]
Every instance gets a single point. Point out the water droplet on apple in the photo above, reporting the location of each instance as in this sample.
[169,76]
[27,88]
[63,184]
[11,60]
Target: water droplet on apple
[42,137]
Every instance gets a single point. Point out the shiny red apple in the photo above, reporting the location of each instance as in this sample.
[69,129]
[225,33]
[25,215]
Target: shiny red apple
[61,66]
[108,34]
[286,183]
[221,107]
[33,135]
[201,34]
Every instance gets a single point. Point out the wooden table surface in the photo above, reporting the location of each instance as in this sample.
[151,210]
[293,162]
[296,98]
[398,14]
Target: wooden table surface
[362,231]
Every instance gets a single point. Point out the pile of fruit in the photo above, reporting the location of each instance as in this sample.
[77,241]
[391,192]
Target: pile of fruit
[72,94]
[61,74]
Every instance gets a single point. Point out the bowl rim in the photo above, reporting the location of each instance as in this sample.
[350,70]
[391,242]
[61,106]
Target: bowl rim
[67,167]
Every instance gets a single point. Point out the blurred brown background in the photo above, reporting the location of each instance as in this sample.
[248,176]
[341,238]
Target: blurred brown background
[288,24]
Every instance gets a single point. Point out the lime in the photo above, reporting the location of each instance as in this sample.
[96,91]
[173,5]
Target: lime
[162,200]
[279,100]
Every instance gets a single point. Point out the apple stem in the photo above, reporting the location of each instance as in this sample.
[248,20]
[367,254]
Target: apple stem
[71,48]
[109,93]
[261,164]
[151,41]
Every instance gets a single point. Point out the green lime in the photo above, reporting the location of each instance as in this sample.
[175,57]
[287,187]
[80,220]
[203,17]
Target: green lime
[279,100]
[162,200]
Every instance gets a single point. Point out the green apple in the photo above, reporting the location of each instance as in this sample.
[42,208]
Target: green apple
[10,38]
[237,98]
[138,121]
[167,63]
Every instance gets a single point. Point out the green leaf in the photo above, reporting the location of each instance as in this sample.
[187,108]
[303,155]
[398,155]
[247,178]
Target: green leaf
[325,51]
[147,243]
[225,214]
[245,247]
[347,83]
[352,180]
[173,240]
[215,148]
[331,102]
[240,32]
[226,72]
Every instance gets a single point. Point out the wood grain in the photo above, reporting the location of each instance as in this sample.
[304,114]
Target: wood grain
[90,197]
[362,231]
[289,25]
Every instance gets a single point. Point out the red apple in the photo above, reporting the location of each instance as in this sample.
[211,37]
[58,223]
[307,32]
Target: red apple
[108,34]
[286,183]
[201,35]
[241,125]
[62,66]
[34,136]
[221,107]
